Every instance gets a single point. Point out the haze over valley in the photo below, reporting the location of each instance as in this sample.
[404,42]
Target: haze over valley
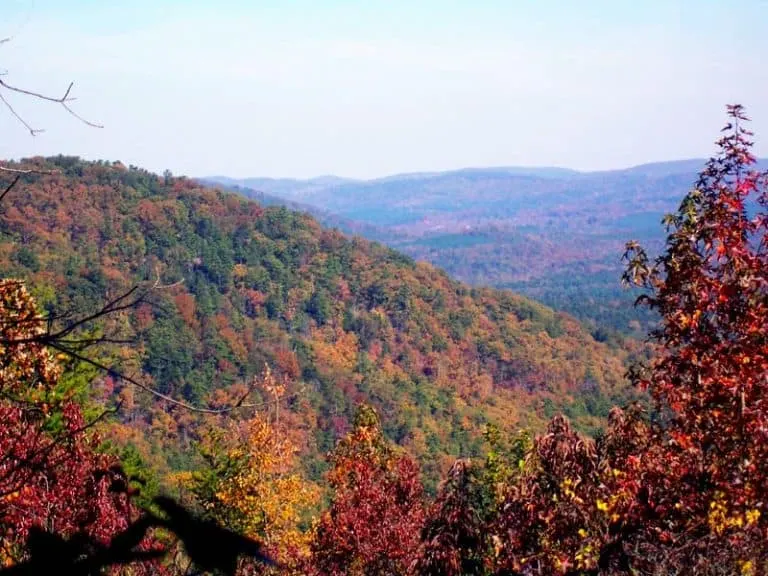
[554,234]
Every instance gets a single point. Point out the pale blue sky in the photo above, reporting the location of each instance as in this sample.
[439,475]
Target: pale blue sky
[368,88]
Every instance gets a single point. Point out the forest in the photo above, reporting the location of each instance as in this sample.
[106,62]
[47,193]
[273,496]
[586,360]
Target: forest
[554,235]
[193,382]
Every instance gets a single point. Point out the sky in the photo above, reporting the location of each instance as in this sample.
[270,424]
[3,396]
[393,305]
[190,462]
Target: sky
[366,88]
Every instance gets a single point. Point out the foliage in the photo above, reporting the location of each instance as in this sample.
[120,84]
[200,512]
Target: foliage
[249,483]
[685,492]
[52,479]
[454,538]
[373,524]
[347,321]
[330,323]
[710,287]
[554,237]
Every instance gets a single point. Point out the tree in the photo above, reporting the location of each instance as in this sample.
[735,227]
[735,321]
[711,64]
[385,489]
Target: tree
[548,524]
[249,483]
[376,514]
[708,382]
[685,492]
[454,539]
[64,506]
[570,510]
[52,478]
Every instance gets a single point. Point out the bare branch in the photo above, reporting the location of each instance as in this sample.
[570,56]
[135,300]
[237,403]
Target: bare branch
[158,286]
[32,131]
[10,186]
[62,100]
[83,120]
[120,376]
[26,170]
[116,305]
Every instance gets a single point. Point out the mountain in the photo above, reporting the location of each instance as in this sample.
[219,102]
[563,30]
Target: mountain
[239,286]
[554,234]
[326,218]
[283,187]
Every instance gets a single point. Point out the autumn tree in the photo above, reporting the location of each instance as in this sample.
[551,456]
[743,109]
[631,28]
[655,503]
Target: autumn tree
[684,491]
[454,538]
[458,536]
[709,381]
[548,522]
[52,477]
[249,483]
[376,514]
[572,507]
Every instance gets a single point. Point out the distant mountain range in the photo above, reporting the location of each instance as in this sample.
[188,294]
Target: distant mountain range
[293,187]
[552,233]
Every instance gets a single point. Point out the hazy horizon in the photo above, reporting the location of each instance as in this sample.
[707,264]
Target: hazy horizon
[299,89]
[761,161]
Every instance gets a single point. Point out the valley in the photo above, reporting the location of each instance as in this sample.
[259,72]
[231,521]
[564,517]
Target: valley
[555,235]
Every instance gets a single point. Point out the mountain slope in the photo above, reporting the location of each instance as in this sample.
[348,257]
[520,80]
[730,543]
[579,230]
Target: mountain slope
[553,234]
[342,320]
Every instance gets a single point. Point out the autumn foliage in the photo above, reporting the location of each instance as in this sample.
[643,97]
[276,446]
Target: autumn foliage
[684,492]
[709,382]
[674,484]
[249,483]
[52,478]
[373,524]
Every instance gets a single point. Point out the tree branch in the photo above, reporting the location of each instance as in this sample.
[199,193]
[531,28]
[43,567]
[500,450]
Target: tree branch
[111,307]
[120,376]
[26,171]
[10,186]
[62,100]
[32,131]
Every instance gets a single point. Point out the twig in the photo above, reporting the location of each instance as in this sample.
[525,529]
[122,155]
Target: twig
[83,120]
[10,186]
[61,100]
[115,305]
[120,376]
[158,286]
[26,171]
[32,131]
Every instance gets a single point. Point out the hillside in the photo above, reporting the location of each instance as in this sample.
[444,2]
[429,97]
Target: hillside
[553,234]
[339,320]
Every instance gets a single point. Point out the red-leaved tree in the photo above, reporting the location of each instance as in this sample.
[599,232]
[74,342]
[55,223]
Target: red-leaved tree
[709,381]
[52,479]
[454,540]
[377,512]
[686,492]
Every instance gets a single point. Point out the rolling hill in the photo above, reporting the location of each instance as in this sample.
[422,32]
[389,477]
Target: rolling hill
[340,320]
[556,235]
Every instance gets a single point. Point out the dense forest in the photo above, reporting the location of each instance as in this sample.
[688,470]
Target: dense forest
[191,380]
[554,235]
[340,321]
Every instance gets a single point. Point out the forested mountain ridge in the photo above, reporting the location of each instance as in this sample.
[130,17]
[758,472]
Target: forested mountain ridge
[339,320]
[555,235]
